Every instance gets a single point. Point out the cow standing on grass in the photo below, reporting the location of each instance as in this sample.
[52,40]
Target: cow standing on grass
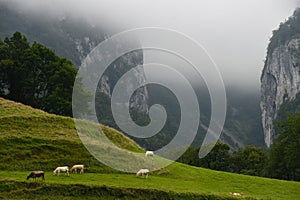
[61,169]
[236,193]
[35,174]
[143,172]
[149,154]
[77,167]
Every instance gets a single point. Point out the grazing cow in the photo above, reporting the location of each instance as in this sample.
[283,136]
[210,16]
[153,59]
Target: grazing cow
[77,167]
[143,172]
[35,174]
[236,193]
[61,169]
[149,154]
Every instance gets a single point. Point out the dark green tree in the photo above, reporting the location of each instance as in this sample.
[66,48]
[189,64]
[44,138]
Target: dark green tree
[190,157]
[217,158]
[284,154]
[251,161]
[12,66]
[35,76]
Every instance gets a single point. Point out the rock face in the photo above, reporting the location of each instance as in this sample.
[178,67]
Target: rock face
[86,43]
[280,80]
[123,64]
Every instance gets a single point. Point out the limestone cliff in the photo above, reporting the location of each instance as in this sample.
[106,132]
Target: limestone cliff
[280,80]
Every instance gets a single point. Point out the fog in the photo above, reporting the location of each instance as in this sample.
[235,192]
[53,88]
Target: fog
[234,32]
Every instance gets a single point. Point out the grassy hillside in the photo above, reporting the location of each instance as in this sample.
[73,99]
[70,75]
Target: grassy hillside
[32,140]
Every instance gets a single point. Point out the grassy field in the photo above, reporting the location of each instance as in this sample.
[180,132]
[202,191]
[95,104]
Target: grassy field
[178,179]
[34,140]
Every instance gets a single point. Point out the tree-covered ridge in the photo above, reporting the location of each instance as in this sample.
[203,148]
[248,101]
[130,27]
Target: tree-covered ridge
[35,75]
[286,31]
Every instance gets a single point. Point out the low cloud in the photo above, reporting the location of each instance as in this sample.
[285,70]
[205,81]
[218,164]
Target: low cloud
[234,32]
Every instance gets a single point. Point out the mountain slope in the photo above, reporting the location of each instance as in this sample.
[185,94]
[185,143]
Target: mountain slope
[73,38]
[280,79]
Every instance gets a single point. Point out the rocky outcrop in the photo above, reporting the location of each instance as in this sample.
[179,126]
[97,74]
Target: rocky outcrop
[280,80]
[86,41]
[123,64]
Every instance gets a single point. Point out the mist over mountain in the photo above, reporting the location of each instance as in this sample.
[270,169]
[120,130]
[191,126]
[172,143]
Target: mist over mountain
[235,33]
[73,32]
[74,38]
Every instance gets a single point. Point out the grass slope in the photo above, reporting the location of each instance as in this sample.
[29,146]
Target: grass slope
[32,139]
[24,121]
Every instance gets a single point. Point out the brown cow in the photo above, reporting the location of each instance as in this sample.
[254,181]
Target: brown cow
[35,174]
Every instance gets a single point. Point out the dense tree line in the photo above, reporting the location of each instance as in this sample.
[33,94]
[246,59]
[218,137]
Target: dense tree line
[35,75]
[250,160]
[285,152]
[281,161]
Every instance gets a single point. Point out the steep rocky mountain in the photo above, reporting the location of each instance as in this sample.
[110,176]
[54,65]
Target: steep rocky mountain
[73,38]
[280,79]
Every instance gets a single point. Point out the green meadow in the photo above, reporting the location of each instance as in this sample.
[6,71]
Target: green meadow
[31,139]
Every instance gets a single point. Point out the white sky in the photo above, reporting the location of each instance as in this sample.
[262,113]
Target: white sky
[234,32]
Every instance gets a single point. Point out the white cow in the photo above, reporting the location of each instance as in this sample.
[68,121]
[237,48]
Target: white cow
[77,167]
[149,154]
[143,172]
[61,169]
[236,193]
